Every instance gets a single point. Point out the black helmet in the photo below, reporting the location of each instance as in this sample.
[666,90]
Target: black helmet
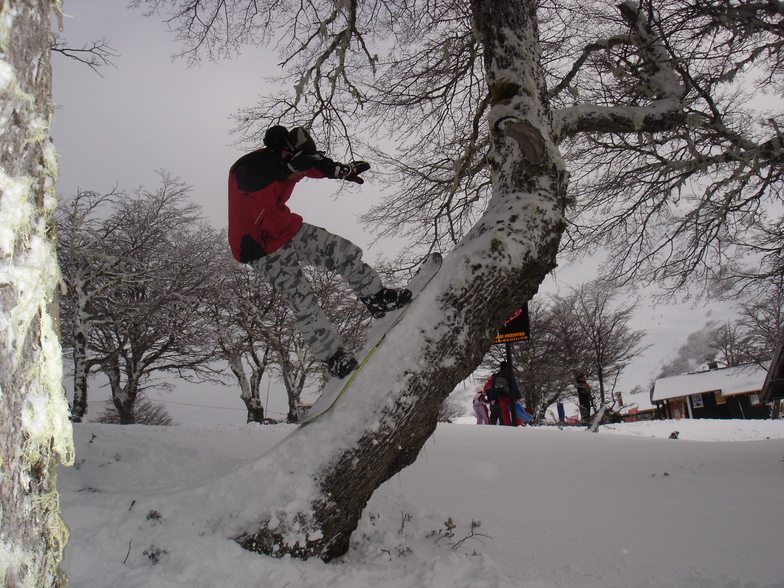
[277,139]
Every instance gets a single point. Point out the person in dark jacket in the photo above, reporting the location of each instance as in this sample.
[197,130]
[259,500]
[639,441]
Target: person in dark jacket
[504,388]
[274,241]
[584,398]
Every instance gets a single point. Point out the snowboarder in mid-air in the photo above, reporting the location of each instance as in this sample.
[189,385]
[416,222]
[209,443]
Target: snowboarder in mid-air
[275,242]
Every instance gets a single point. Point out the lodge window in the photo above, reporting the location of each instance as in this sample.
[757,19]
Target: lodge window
[696,401]
[720,398]
[754,399]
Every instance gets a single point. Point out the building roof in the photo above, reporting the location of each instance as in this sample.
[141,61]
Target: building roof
[639,401]
[733,380]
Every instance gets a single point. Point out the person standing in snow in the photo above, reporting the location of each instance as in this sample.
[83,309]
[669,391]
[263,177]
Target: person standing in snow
[490,396]
[480,407]
[502,386]
[583,398]
[275,242]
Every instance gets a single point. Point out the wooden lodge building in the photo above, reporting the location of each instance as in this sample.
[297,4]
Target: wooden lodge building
[719,393]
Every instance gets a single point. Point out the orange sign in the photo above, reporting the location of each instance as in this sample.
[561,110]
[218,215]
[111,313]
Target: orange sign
[517,328]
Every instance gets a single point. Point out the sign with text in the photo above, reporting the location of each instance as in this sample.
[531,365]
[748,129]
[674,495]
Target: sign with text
[517,328]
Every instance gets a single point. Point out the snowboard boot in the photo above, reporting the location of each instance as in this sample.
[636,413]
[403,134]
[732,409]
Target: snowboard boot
[341,364]
[386,300]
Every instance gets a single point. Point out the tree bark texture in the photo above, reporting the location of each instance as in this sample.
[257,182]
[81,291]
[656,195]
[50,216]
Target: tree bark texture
[500,264]
[34,426]
[79,405]
[123,394]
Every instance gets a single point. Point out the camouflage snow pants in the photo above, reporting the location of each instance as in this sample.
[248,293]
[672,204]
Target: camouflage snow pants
[318,247]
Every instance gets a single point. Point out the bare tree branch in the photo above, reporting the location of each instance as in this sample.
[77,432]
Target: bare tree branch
[95,54]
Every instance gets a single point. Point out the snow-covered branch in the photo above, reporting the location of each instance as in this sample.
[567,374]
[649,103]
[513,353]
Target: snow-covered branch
[660,116]
[658,105]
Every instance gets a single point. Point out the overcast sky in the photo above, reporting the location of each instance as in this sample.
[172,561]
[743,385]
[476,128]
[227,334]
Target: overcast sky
[150,113]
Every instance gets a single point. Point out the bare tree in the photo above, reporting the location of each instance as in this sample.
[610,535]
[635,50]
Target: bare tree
[731,344]
[94,54]
[291,360]
[159,324]
[145,412]
[752,336]
[679,206]
[34,428]
[762,318]
[137,282]
[89,273]
[585,331]
[480,112]
[603,329]
[238,311]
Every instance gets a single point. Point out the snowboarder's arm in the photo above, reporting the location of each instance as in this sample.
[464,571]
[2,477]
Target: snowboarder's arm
[325,167]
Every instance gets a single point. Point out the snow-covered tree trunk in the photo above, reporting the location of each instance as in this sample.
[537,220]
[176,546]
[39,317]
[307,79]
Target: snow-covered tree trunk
[79,405]
[34,426]
[331,467]
[249,385]
[124,394]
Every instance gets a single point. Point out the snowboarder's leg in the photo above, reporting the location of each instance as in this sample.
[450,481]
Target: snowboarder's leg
[317,246]
[284,273]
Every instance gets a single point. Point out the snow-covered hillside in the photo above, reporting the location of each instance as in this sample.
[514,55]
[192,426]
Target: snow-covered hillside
[483,506]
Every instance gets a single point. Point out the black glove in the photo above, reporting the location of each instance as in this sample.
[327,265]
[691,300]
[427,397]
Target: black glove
[350,171]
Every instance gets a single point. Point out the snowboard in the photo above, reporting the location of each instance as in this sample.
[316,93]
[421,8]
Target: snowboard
[521,413]
[335,387]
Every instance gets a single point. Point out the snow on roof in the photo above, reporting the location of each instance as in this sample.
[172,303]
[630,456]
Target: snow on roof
[641,400]
[733,380]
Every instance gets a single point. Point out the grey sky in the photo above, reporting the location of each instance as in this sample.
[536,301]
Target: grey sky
[150,113]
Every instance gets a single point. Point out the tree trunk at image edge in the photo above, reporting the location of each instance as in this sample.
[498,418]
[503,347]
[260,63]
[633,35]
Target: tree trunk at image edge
[476,292]
[34,426]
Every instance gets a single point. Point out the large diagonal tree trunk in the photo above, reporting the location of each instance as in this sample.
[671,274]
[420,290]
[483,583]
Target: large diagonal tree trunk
[333,465]
[34,425]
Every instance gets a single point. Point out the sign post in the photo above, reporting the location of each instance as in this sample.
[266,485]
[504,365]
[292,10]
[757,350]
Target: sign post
[515,329]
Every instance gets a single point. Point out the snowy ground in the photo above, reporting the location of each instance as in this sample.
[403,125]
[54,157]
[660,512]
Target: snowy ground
[625,507]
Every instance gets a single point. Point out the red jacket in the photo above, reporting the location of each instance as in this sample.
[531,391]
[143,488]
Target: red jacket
[259,220]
